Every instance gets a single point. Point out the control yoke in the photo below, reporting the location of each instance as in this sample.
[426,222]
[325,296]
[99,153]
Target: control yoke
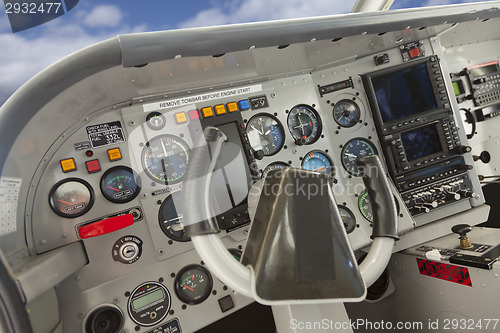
[297,250]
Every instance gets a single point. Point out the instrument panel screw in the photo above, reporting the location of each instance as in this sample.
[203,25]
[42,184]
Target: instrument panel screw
[81,315]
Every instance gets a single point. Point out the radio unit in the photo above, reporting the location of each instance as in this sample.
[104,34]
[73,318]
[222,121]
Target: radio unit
[419,137]
[485,82]
[423,145]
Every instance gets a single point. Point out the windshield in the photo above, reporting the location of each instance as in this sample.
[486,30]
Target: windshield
[25,53]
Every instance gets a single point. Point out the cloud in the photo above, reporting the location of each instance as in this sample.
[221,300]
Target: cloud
[103,16]
[238,11]
[25,54]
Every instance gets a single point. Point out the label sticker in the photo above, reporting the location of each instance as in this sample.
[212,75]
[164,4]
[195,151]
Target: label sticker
[174,103]
[9,196]
[105,134]
[172,326]
[447,272]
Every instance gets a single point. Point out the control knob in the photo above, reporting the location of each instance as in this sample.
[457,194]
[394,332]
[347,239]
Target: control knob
[462,149]
[462,230]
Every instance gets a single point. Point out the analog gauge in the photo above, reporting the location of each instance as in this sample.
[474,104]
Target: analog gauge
[365,206]
[170,220]
[120,184]
[353,150]
[265,133]
[155,121]
[164,159]
[193,284]
[347,218]
[274,165]
[317,160]
[346,113]
[304,124]
[71,197]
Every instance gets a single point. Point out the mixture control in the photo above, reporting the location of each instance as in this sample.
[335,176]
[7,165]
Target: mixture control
[462,230]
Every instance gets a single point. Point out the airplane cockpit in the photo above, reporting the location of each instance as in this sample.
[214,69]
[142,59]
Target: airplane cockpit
[326,174]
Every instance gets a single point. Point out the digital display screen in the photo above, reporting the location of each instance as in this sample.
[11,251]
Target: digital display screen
[421,142]
[480,71]
[147,299]
[404,93]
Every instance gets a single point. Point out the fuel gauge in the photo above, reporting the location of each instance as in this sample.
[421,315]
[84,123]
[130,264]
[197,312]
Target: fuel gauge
[71,197]
[120,184]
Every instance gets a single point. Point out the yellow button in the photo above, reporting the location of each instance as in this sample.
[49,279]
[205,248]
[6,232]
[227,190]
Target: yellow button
[220,109]
[180,117]
[68,165]
[207,112]
[114,154]
[233,106]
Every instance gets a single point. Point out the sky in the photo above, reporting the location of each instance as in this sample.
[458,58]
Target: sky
[25,53]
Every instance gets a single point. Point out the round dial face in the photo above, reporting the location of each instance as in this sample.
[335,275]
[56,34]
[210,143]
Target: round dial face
[318,161]
[155,121]
[149,303]
[353,150]
[274,165]
[120,184]
[304,124]
[265,133]
[346,113]
[164,159]
[193,284]
[71,197]
[365,207]
[170,220]
[347,218]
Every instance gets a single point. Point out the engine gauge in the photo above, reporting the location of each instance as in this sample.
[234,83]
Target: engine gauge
[193,284]
[149,303]
[170,220]
[155,120]
[304,124]
[265,133]
[164,159]
[365,206]
[353,150]
[274,165]
[71,197]
[347,218]
[346,113]
[120,184]
[317,160]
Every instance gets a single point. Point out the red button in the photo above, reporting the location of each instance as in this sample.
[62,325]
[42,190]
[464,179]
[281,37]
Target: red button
[93,166]
[194,114]
[414,53]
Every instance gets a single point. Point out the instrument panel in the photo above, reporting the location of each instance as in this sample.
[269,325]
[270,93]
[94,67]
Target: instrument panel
[123,172]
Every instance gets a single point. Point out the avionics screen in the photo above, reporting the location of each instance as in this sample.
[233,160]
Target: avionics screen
[404,93]
[421,142]
[480,71]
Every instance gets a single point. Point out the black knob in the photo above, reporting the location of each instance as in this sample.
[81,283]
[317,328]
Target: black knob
[300,142]
[462,149]
[461,229]
[258,154]
[485,157]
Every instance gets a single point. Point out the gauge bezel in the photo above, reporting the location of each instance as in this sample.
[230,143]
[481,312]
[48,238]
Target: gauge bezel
[358,112]
[178,289]
[134,175]
[131,298]
[161,223]
[351,214]
[264,172]
[363,196]
[155,114]
[342,154]
[148,173]
[324,153]
[67,180]
[280,126]
[318,118]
